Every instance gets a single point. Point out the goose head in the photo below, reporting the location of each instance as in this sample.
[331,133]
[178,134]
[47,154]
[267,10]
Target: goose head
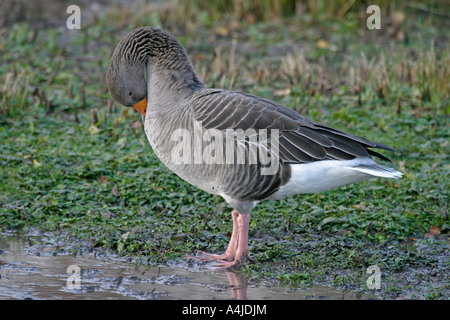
[146,53]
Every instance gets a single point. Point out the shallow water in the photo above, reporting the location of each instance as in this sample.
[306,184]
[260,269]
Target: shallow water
[37,267]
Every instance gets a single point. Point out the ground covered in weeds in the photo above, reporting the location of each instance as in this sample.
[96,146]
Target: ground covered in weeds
[74,161]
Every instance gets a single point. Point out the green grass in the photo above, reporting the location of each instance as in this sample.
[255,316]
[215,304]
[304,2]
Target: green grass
[73,161]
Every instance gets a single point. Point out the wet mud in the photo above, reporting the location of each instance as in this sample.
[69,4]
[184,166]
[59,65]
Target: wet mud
[37,266]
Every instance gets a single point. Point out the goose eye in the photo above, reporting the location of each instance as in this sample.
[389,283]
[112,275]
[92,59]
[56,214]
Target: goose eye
[130,93]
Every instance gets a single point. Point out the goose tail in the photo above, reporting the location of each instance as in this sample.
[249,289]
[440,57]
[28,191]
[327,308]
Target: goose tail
[377,170]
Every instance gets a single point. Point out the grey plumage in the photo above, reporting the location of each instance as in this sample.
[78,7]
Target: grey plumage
[301,140]
[150,63]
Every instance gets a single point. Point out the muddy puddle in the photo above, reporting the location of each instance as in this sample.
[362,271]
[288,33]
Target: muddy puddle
[33,266]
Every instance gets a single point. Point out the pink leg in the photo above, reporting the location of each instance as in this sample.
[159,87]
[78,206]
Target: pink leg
[234,241]
[237,249]
[243,226]
[230,253]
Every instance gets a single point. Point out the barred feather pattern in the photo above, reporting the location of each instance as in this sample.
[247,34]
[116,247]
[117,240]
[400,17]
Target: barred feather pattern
[177,99]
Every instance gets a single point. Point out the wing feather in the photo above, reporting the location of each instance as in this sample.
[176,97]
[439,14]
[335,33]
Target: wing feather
[301,140]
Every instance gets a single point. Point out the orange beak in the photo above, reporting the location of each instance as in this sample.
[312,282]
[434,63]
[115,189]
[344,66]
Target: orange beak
[141,106]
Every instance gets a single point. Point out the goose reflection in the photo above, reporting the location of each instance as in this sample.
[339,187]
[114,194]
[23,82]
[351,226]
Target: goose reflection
[238,285]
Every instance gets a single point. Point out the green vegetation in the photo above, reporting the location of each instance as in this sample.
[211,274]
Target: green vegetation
[74,161]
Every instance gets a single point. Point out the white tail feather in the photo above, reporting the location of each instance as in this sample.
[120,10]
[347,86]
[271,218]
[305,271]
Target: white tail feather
[377,170]
[325,175]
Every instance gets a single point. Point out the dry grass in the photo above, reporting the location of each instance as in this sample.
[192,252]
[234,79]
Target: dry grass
[13,93]
[426,77]
[433,74]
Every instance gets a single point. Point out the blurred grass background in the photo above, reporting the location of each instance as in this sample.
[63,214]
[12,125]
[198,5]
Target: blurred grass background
[74,161]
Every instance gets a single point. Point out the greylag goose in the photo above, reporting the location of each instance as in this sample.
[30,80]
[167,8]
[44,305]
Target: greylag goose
[240,146]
